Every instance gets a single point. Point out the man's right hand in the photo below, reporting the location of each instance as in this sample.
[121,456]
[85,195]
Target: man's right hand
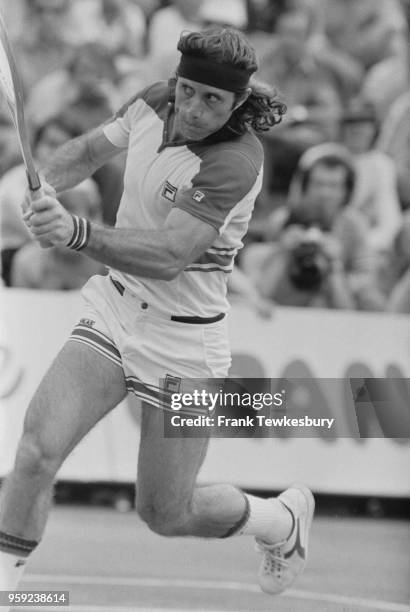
[29,198]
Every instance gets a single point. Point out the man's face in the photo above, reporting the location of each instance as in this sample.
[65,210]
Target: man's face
[326,192]
[201,110]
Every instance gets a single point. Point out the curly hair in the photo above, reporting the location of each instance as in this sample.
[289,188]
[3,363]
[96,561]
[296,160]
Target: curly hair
[262,109]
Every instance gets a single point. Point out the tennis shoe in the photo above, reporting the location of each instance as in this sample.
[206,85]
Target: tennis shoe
[282,562]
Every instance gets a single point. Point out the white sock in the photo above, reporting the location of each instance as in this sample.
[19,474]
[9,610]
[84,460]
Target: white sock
[11,571]
[268,520]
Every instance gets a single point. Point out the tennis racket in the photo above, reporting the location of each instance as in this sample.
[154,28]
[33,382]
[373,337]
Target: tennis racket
[12,92]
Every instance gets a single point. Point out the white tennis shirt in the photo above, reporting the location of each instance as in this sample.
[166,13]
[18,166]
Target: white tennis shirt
[216,180]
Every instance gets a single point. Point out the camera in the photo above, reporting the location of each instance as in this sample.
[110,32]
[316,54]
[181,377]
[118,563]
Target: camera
[308,264]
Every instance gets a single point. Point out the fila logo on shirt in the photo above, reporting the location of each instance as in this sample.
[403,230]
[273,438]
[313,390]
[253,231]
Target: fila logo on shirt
[198,196]
[169,192]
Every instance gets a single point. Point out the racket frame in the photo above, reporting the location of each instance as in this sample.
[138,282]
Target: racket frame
[17,112]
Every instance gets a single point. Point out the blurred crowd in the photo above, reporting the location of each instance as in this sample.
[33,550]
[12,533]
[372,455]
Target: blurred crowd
[331,227]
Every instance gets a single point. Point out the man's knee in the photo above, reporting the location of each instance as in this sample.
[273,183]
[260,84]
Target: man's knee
[162,517]
[35,459]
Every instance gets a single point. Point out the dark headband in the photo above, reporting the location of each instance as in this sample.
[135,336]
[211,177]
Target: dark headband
[221,76]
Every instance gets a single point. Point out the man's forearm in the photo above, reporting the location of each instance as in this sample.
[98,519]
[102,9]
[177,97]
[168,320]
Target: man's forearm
[70,164]
[135,251]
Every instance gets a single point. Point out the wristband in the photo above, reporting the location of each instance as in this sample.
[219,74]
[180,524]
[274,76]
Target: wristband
[81,233]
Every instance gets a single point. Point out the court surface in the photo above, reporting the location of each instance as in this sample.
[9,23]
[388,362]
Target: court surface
[111,562]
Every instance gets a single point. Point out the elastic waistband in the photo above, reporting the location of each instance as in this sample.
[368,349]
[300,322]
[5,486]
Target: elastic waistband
[179,319]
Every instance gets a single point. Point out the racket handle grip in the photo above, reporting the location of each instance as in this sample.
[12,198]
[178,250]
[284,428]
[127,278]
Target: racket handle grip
[34,182]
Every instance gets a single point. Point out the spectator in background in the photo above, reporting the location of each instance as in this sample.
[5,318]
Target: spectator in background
[232,13]
[319,197]
[406,9]
[312,100]
[375,194]
[399,300]
[121,27]
[13,14]
[262,15]
[305,269]
[13,231]
[85,90]
[242,288]
[85,94]
[57,268]
[9,150]
[117,24]
[164,31]
[394,140]
[394,270]
[46,41]
[366,45]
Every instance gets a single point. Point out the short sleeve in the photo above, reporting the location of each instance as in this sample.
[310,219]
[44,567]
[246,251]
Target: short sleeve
[224,179]
[117,129]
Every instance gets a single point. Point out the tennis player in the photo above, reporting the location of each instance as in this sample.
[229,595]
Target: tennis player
[194,169]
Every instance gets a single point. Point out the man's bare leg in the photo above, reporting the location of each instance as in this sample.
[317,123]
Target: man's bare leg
[171,502]
[79,389]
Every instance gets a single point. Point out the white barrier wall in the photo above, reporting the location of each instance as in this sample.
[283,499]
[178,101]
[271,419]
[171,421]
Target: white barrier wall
[296,343]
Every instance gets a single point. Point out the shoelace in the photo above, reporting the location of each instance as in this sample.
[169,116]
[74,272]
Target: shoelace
[274,561]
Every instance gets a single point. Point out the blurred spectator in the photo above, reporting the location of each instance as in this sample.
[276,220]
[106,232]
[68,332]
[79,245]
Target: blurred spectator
[148,7]
[399,301]
[305,269]
[13,231]
[240,286]
[319,197]
[232,13]
[366,45]
[84,90]
[375,194]
[164,31]
[312,99]
[58,268]
[9,150]
[262,15]
[46,41]
[13,15]
[394,140]
[117,24]
[394,270]
[406,8]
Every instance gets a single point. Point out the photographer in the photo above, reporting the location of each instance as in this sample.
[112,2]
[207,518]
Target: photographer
[305,269]
[320,196]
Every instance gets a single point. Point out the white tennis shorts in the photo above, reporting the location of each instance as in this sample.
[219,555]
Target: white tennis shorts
[146,344]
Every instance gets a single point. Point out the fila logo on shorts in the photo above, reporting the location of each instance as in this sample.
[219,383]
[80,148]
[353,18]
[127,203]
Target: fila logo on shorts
[169,192]
[172,384]
[198,196]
